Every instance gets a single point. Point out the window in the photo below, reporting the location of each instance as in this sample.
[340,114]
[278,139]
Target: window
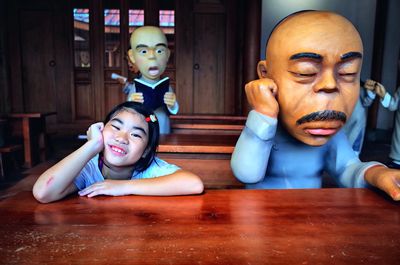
[81,37]
[136,19]
[167,21]
[112,38]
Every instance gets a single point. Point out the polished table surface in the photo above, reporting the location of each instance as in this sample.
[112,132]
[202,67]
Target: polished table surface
[323,226]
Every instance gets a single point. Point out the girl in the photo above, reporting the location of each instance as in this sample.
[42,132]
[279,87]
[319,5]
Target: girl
[118,159]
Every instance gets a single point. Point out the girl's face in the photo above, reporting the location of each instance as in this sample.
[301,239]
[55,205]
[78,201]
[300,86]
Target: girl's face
[125,138]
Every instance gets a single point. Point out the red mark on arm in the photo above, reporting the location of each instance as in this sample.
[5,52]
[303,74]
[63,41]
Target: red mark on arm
[49,181]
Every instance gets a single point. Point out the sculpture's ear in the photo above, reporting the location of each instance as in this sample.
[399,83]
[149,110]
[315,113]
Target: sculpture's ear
[130,55]
[168,53]
[262,69]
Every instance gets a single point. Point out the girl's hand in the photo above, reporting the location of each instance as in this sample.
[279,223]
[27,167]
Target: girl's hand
[170,99]
[136,97]
[107,187]
[95,135]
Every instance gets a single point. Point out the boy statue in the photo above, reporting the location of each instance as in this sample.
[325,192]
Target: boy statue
[149,53]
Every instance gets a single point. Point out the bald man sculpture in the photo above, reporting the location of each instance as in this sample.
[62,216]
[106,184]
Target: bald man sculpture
[149,53]
[308,86]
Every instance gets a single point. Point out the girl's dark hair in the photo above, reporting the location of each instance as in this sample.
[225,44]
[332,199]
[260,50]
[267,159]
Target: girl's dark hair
[154,132]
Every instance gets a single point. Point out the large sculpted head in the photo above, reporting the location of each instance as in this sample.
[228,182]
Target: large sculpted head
[315,59]
[149,52]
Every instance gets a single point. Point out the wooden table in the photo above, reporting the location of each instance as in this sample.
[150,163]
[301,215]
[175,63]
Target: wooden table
[206,155]
[322,226]
[33,132]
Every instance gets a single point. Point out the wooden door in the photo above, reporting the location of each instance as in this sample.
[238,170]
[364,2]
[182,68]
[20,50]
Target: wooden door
[38,60]
[209,63]
[206,56]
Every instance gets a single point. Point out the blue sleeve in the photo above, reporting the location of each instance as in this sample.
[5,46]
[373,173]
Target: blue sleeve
[394,102]
[89,175]
[129,90]
[367,97]
[344,165]
[251,154]
[157,169]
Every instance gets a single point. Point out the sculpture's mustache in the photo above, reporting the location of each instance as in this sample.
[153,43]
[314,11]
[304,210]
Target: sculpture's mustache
[324,115]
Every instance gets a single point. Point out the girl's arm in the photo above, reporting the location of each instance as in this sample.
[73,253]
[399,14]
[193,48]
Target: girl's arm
[57,182]
[178,183]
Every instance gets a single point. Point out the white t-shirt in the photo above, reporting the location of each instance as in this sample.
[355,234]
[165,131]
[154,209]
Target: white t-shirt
[91,174]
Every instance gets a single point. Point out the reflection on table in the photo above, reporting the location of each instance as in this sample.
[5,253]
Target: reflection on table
[316,226]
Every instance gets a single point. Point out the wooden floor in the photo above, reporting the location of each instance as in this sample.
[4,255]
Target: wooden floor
[22,179]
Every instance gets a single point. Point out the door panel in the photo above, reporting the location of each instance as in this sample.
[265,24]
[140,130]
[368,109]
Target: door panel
[38,63]
[209,63]
[207,56]
[84,107]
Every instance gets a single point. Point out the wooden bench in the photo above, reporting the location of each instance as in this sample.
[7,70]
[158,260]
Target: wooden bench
[207,124]
[207,118]
[207,155]
[8,149]
[206,129]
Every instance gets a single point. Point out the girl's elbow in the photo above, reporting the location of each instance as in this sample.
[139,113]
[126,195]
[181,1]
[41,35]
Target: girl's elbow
[40,195]
[197,186]
[194,184]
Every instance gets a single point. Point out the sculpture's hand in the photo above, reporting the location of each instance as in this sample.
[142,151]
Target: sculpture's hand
[121,80]
[385,179]
[380,90]
[136,97]
[370,84]
[170,99]
[261,96]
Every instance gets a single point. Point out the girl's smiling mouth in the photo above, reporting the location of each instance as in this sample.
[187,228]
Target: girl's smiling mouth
[117,150]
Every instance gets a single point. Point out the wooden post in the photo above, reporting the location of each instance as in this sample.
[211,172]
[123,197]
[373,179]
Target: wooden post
[151,14]
[251,55]
[377,57]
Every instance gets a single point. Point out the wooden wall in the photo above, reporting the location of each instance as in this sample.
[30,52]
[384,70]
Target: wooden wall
[3,61]
[39,57]
[205,69]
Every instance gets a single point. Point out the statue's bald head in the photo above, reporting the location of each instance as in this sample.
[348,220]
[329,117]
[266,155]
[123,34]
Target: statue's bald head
[315,59]
[314,29]
[149,52]
[147,32]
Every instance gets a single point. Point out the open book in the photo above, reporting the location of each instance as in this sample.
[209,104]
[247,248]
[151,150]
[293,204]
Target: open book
[153,94]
